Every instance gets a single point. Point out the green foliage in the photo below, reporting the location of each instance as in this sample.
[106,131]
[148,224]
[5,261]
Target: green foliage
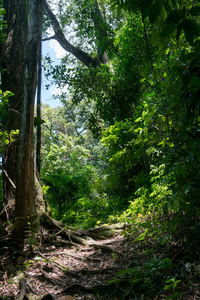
[147,277]
[4,102]
[145,108]
[177,15]
[172,282]
[2,23]
[112,91]
[64,172]
[5,137]
[71,178]
[166,125]
[156,198]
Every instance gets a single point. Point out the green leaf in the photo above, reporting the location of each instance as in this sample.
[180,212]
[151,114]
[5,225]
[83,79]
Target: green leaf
[38,121]
[168,30]
[179,29]
[161,143]
[167,287]
[142,235]
[191,30]
[170,144]
[155,11]
[146,5]
[138,130]
[175,17]
[2,11]
[8,94]
[138,119]
[170,280]
[37,258]
[183,56]
[195,10]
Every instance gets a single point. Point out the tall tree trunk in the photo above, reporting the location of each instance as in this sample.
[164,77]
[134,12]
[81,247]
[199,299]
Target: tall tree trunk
[101,33]
[12,64]
[38,146]
[25,206]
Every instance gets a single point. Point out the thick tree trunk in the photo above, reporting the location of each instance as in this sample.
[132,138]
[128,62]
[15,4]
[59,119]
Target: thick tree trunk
[39,134]
[12,64]
[25,206]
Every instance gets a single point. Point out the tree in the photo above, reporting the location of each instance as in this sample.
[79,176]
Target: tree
[20,57]
[81,55]
[115,92]
[69,170]
[25,198]
[167,124]
[12,68]
[38,119]
[163,120]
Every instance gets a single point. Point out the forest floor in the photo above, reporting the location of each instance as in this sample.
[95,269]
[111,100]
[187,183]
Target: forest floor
[52,268]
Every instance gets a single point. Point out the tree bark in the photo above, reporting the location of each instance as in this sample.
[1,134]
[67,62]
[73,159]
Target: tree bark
[12,65]
[25,206]
[39,135]
[101,33]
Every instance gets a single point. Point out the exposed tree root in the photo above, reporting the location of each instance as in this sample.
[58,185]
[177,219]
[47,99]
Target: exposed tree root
[101,289]
[98,271]
[107,230]
[52,261]
[72,255]
[22,287]
[64,230]
[56,233]
[83,257]
[67,244]
[106,249]
[94,288]
[79,236]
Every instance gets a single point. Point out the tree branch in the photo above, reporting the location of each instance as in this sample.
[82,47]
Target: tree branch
[53,37]
[84,57]
[12,183]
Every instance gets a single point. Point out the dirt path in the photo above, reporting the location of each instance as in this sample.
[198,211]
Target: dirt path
[52,267]
[83,272]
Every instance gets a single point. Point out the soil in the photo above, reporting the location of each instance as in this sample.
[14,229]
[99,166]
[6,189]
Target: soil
[49,267]
[59,270]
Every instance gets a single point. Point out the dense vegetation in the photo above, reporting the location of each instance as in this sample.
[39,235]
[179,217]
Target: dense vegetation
[125,145]
[126,141]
